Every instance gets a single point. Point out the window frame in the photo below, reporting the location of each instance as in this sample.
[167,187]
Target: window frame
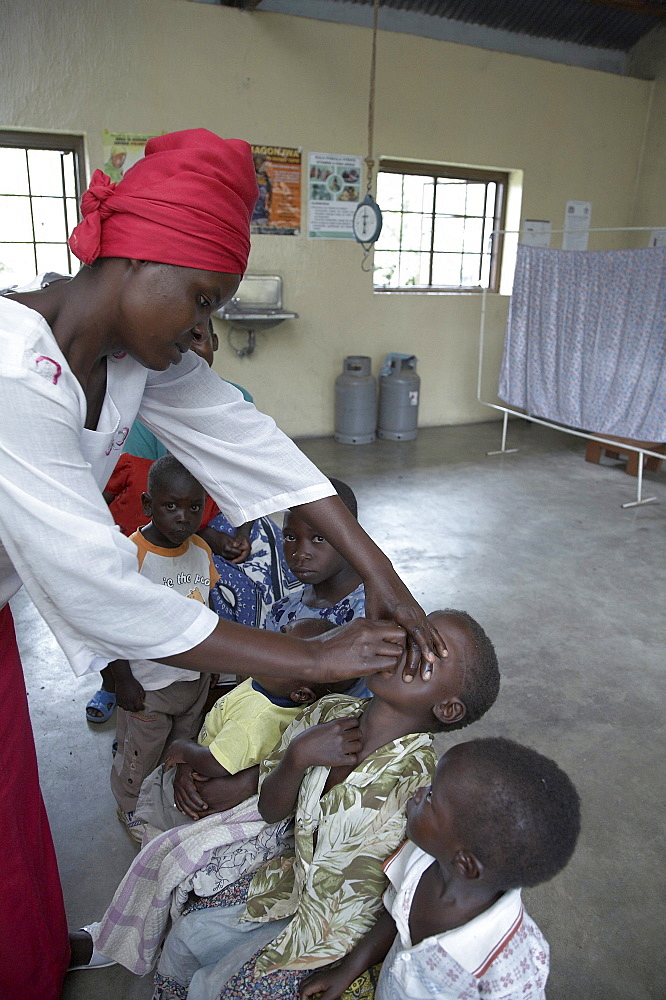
[60,141]
[455,172]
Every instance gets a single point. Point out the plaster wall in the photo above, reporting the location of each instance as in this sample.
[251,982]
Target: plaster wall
[650,56]
[159,65]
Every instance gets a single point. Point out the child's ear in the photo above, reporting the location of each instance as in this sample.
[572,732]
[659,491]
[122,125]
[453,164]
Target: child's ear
[449,711]
[147,504]
[468,865]
[303,695]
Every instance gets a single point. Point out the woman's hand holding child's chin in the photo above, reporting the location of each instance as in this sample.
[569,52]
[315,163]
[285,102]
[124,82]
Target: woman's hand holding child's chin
[393,601]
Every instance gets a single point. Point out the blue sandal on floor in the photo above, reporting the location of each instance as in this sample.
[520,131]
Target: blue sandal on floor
[104,702]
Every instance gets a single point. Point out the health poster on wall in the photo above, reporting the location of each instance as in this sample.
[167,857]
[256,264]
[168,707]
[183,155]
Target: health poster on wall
[122,150]
[278,209]
[576,225]
[334,186]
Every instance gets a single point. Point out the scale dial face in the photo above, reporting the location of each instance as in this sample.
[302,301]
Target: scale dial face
[367,222]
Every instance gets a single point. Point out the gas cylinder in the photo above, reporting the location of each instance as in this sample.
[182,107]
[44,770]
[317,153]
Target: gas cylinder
[356,401]
[399,390]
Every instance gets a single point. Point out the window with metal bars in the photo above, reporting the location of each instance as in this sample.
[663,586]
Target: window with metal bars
[437,226]
[40,185]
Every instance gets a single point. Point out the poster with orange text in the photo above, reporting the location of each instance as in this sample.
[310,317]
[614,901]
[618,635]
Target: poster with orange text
[278,208]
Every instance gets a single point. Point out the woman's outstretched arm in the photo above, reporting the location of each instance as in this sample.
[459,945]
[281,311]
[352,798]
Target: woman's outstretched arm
[361,647]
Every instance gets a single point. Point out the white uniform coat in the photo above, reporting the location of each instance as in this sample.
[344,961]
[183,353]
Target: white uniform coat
[56,533]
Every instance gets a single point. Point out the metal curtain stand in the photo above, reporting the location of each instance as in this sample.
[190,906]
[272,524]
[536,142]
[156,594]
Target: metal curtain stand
[506,410]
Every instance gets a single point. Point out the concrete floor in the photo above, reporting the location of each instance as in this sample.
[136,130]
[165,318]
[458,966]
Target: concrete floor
[570,587]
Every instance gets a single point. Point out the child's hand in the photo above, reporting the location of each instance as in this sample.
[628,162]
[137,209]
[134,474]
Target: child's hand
[129,694]
[333,744]
[329,984]
[243,548]
[221,794]
[234,548]
[185,793]
[175,754]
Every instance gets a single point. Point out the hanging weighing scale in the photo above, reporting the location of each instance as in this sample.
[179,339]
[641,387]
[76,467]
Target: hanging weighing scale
[367,222]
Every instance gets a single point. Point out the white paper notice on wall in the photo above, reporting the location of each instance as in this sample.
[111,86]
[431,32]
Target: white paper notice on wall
[536,233]
[658,238]
[577,216]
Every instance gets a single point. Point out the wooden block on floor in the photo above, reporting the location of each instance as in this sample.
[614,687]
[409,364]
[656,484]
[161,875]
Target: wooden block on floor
[595,448]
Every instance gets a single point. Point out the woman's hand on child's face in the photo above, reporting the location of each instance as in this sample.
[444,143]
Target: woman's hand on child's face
[333,744]
[186,795]
[358,648]
[329,984]
[393,601]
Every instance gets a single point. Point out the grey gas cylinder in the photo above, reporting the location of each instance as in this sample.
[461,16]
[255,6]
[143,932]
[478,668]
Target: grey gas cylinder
[356,402]
[399,390]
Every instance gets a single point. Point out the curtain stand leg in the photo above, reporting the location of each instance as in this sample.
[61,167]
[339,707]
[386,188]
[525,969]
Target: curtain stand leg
[639,501]
[504,450]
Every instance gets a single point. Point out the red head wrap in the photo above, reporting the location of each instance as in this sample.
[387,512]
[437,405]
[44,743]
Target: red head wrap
[188,201]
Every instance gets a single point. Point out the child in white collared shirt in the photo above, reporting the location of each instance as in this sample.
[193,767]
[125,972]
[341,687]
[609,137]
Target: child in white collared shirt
[496,817]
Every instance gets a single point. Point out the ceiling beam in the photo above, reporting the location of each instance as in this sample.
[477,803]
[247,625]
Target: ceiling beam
[241,4]
[651,8]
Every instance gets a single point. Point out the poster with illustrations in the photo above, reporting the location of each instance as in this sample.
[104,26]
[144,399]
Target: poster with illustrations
[576,225]
[278,209]
[122,150]
[334,191]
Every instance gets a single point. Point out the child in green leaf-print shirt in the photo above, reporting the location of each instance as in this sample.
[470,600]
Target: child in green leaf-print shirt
[346,768]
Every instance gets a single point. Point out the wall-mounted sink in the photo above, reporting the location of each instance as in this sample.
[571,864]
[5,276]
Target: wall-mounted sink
[253,318]
[257,305]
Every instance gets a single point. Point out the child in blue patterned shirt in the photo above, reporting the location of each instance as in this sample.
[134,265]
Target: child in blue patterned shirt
[332,589]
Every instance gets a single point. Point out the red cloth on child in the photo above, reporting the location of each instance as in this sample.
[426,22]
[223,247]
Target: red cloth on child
[188,202]
[34,947]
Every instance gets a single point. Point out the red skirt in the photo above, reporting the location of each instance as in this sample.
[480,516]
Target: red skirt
[34,947]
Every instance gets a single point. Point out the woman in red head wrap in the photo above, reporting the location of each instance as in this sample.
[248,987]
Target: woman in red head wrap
[79,360]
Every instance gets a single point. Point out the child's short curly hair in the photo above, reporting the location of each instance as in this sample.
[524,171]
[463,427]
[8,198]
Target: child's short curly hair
[165,470]
[346,494]
[521,812]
